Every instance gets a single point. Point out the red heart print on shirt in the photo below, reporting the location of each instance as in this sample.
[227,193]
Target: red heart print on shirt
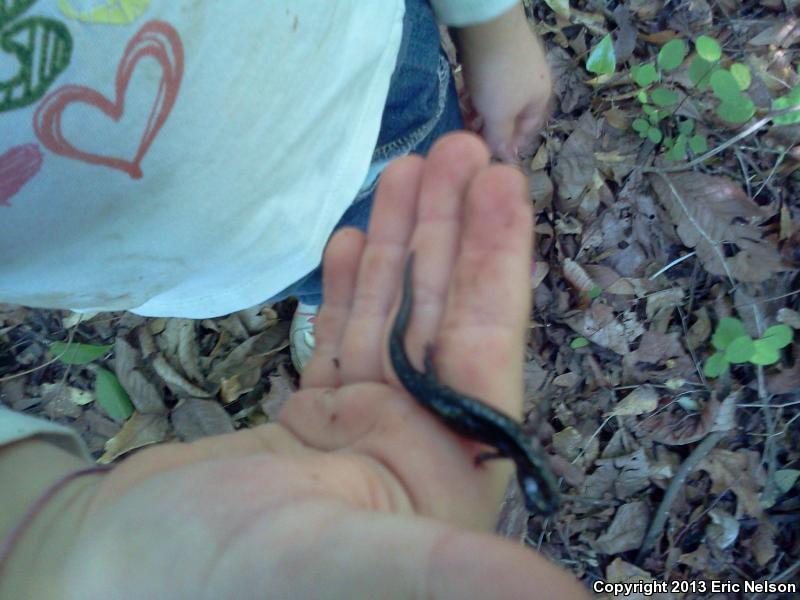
[156,39]
[17,167]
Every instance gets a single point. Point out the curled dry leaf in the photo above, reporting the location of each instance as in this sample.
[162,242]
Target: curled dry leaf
[568,81]
[723,530]
[139,430]
[189,351]
[710,211]
[143,393]
[577,276]
[762,543]
[176,382]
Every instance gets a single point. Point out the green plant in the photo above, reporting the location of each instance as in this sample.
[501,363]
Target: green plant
[108,391]
[661,100]
[735,346]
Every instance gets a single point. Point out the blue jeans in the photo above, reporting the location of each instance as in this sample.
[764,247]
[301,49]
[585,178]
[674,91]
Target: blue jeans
[422,105]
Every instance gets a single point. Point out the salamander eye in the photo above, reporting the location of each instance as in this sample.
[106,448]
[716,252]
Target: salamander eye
[531,487]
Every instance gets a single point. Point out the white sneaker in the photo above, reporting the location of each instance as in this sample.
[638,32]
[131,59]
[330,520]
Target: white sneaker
[301,335]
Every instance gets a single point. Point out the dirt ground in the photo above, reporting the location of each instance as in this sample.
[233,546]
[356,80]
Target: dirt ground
[662,371]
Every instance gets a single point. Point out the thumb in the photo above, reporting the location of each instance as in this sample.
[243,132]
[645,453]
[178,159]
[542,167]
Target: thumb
[499,135]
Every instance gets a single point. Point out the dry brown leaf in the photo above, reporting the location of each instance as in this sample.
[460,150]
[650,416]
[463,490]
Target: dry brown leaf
[568,81]
[642,400]
[601,481]
[739,471]
[786,381]
[262,345]
[575,166]
[762,544]
[600,325]
[568,442]
[143,393]
[619,571]
[784,33]
[625,39]
[626,531]
[708,211]
[577,276]
[140,430]
[540,271]
[723,529]
[189,351]
[194,418]
[541,190]
[789,317]
[634,474]
[675,427]
[700,329]
[280,390]
[176,382]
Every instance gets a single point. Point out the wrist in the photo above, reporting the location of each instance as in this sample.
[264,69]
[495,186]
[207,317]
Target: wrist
[28,469]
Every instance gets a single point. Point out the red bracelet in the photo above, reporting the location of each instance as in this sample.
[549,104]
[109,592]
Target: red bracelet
[12,538]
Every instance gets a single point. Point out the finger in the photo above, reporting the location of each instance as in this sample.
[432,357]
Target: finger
[339,272]
[451,165]
[390,228]
[499,135]
[484,329]
[529,124]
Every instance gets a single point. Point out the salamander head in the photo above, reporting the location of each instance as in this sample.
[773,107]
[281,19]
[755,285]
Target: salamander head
[540,498]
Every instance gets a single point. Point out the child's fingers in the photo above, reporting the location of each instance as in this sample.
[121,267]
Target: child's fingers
[339,272]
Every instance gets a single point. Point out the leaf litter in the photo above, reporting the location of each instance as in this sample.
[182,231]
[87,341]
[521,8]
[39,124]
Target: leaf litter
[667,475]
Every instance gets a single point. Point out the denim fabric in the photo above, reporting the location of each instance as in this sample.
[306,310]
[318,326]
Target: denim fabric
[422,105]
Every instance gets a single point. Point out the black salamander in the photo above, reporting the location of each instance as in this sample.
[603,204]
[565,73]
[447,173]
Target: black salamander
[470,417]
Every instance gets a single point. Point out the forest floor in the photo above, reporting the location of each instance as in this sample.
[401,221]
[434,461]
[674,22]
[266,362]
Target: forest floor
[662,372]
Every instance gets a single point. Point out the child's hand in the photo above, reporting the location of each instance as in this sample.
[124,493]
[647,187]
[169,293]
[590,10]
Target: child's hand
[508,79]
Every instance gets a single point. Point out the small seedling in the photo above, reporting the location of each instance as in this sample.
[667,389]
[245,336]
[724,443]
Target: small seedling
[735,346]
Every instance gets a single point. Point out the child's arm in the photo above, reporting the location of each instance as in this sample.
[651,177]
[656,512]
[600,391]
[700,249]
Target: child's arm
[508,79]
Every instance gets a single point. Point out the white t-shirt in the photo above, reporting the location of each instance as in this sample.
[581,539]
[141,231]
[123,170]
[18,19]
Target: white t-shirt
[183,158]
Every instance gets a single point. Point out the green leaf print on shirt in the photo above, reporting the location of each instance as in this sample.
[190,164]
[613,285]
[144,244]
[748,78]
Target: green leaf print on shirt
[42,47]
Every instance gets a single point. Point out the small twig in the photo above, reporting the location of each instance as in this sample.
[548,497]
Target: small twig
[663,270]
[688,465]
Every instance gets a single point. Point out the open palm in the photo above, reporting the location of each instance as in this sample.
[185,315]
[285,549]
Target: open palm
[357,491]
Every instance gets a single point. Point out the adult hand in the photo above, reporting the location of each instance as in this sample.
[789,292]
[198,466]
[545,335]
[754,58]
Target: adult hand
[357,492]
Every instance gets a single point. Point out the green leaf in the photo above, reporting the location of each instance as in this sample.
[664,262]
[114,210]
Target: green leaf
[78,354]
[655,135]
[672,54]
[678,150]
[579,342]
[737,112]
[668,142]
[644,75]
[686,126]
[786,478]
[778,336]
[708,48]
[560,7]
[740,350]
[649,110]
[602,59]
[663,96]
[716,365]
[728,329]
[765,354]
[640,126]
[741,73]
[725,86]
[112,396]
[700,72]
[594,292]
[642,96]
[789,100]
[698,144]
